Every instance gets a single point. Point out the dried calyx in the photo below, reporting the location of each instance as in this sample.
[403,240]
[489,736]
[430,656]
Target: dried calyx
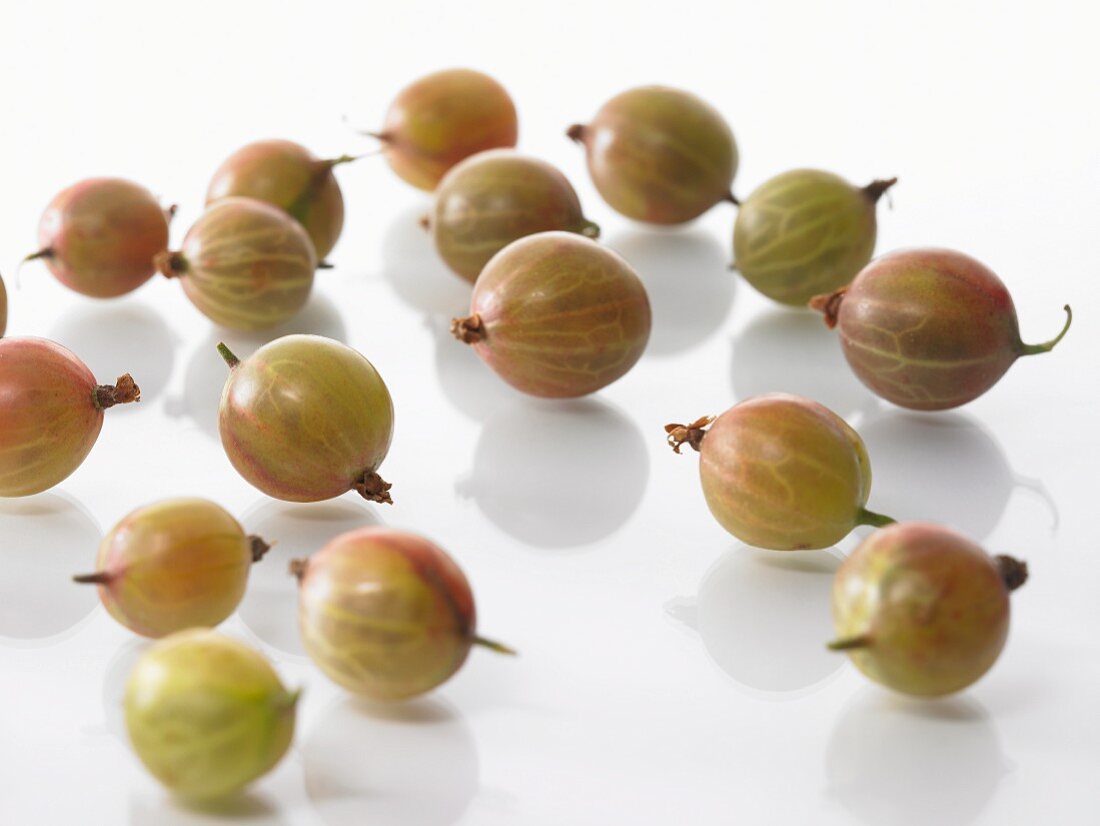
[691,434]
[469,330]
[123,391]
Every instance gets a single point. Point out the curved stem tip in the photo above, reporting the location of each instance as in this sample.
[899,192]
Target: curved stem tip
[848,643]
[877,520]
[227,355]
[258,547]
[1013,571]
[374,488]
[469,330]
[692,434]
[731,198]
[123,391]
[98,578]
[829,305]
[577,132]
[1047,346]
[498,647]
[877,188]
[589,229]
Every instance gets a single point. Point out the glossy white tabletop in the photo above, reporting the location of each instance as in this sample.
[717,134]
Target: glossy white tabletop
[668,675]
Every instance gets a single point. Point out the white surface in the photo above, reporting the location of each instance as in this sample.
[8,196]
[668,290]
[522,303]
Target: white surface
[667,676]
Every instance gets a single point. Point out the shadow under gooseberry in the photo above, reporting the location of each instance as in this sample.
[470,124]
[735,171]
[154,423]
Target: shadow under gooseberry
[558,475]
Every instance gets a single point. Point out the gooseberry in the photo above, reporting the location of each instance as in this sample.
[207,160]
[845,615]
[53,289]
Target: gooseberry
[244,264]
[922,609]
[385,613]
[781,472]
[289,176]
[805,232]
[493,198]
[557,315]
[442,118]
[659,155]
[306,418]
[99,236]
[51,412]
[207,714]
[3,308]
[176,564]
[928,329]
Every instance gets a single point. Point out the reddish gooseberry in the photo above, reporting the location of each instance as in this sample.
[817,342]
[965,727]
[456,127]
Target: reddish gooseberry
[3,308]
[659,155]
[805,232]
[442,118]
[493,198]
[306,418]
[245,264]
[289,176]
[385,613]
[100,236]
[781,472]
[51,412]
[557,315]
[206,714]
[922,609]
[176,564]
[928,329]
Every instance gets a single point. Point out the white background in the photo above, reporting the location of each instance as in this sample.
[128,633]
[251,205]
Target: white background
[667,675]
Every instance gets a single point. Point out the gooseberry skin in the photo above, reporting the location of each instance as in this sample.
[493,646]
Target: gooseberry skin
[244,264]
[922,609]
[385,614]
[51,412]
[306,418]
[659,155]
[442,118]
[928,329]
[3,308]
[493,198]
[206,714]
[782,472]
[286,175]
[172,565]
[99,237]
[556,315]
[804,233]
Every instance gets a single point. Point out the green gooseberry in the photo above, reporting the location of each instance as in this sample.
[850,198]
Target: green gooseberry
[781,472]
[207,714]
[244,264]
[805,232]
[922,609]
[493,198]
[287,175]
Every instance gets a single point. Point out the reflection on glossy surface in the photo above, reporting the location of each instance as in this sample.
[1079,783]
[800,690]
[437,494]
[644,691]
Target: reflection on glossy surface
[787,350]
[270,605]
[764,617]
[120,337]
[468,383]
[689,283]
[899,761]
[114,684]
[417,274]
[391,765]
[558,475]
[206,371]
[942,467]
[152,809]
[47,538]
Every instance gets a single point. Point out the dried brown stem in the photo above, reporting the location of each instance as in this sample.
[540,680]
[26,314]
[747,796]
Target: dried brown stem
[170,264]
[691,434]
[123,391]
[469,330]
[374,488]
[1013,571]
[877,188]
[258,547]
[829,305]
[98,578]
[577,132]
[298,567]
